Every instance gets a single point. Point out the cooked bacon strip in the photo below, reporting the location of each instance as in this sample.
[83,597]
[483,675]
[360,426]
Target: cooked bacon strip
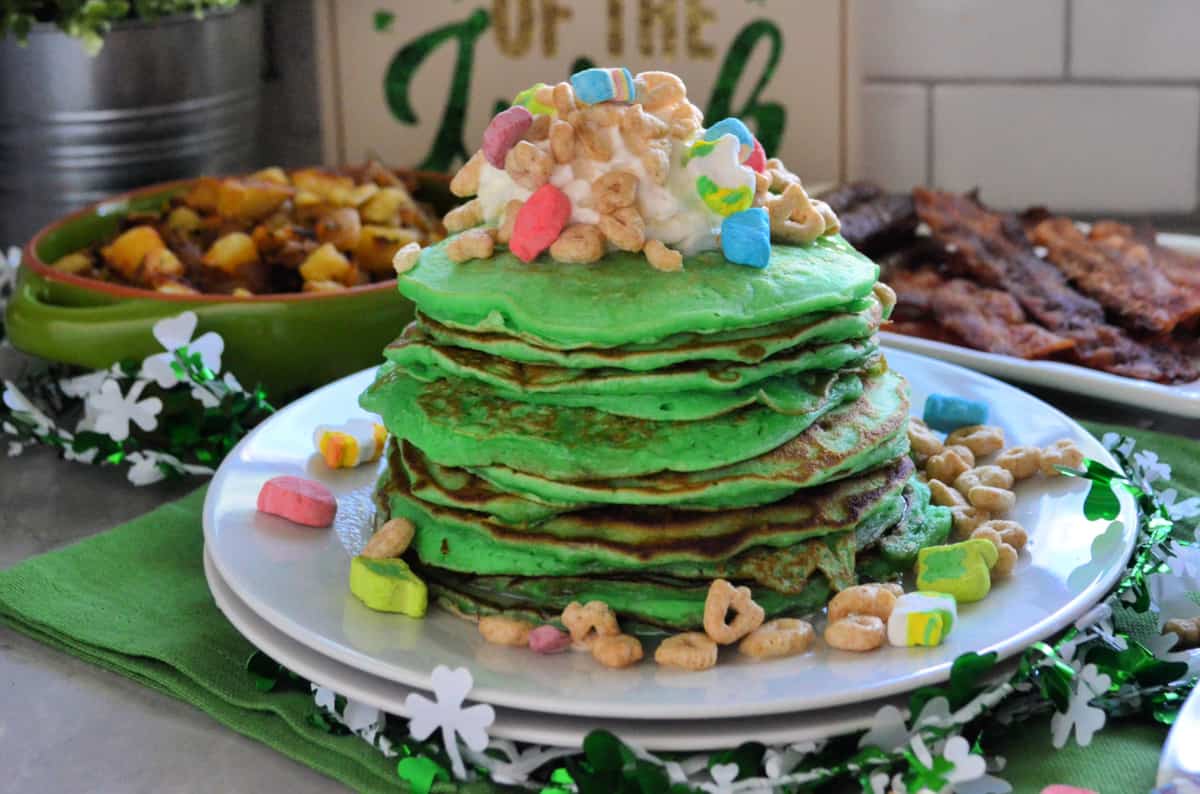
[872,221]
[1122,278]
[1140,243]
[843,197]
[986,319]
[993,250]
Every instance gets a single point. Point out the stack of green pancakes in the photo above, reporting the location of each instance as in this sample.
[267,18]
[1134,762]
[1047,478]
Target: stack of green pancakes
[611,432]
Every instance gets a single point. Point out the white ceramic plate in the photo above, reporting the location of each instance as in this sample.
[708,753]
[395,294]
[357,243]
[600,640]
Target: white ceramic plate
[1181,757]
[545,728]
[1182,399]
[294,578]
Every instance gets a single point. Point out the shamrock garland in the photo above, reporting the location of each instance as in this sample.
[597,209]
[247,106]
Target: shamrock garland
[171,415]
[1105,666]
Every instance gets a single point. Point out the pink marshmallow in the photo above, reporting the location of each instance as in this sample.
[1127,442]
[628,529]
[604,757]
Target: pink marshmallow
[502,133]
[539,222]
[757,158]
[547,639]
[301,501]
[1058,788]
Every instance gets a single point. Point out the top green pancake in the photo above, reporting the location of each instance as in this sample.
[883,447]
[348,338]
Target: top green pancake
[621,300]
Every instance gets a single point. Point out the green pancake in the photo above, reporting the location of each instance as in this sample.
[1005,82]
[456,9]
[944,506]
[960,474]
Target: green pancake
[748,345]
[427,362]
[461,423]
[620,300]
[607,540]
[854,437]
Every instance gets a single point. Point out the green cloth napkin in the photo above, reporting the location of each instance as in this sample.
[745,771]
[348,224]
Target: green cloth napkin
[134,600]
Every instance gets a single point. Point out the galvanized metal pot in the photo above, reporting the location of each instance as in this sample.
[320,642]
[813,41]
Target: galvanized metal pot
[163,100]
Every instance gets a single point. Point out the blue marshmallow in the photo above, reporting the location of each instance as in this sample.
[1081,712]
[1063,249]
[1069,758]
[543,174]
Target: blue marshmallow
[946,413]
[730,126]
[596,85]
[746,237]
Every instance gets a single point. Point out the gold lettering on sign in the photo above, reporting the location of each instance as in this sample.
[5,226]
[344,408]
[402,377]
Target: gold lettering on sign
[665,12]
[616,27]
[514,42]
[698,15]
[552,14]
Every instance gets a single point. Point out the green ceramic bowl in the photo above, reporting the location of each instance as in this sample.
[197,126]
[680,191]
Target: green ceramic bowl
[288,342]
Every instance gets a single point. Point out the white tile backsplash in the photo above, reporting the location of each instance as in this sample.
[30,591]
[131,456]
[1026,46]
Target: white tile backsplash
[961,38]
[1072,147]
[895,122]
[1136,40]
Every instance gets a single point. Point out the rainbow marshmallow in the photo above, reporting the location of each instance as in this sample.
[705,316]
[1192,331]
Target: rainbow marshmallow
[593,86]
[922,618]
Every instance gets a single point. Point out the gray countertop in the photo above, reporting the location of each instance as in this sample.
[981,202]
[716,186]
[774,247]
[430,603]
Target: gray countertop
[68,726]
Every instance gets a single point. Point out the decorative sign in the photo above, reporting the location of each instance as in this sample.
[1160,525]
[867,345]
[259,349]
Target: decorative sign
[415,83]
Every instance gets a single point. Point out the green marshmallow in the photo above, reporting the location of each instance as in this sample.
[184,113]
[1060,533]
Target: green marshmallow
[959,569]
[388,586]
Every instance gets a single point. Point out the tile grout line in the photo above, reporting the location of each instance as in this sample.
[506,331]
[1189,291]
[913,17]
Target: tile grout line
[1068,18]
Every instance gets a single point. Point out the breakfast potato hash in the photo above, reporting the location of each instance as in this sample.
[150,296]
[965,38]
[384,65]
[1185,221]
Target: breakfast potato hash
[269,232]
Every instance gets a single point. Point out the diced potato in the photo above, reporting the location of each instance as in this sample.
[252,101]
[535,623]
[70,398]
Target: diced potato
[247,201]
[203,194]
[232,252]
[306,198]
[384,207]
[162,263]
[378,244]
[322,183]
[340,227]
[323,286]
[361,194]
[273,174]
[176,288]
[242,292]
[78,262]
[125,254]
[184,219]
[326,264]
[380,174]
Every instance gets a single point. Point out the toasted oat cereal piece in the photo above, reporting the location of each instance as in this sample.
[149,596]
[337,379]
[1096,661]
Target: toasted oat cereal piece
[562,141]
[624,228]
[946,496]
[390,540]
[613,190]
[1006,560]
[980,439]
[1021,462]
[620,650]
[406,258]
[857,633]
[948,465]
[663,258]
[587,622]
[528,165]
[539,130]
[564,99]
[723,597]
[922,442]
[464,216]
[690,651]
[991,499]
[967,518]
[658,91]
[501,630]
[508,219]
[471,244]
[778,638]
[1061,453]
[466,181]
[1188,631]
[579,243]
[863,599]
[992,476]
[1010,532]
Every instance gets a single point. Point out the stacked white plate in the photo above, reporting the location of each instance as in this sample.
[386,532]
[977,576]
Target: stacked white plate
[284,587]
